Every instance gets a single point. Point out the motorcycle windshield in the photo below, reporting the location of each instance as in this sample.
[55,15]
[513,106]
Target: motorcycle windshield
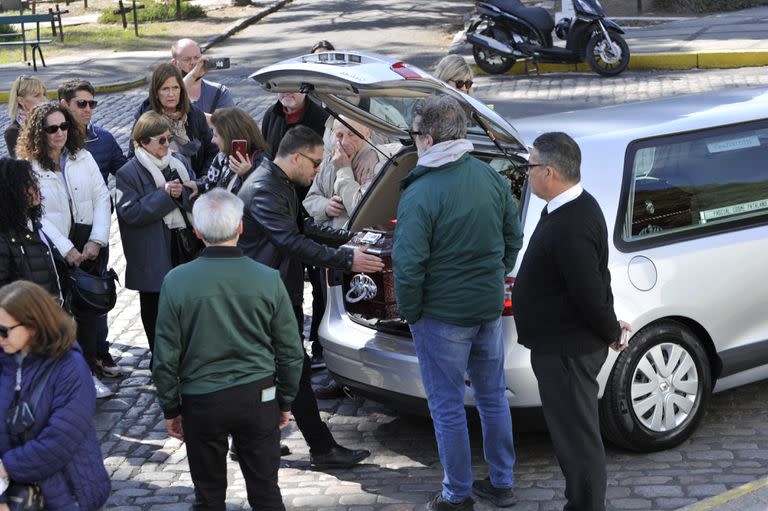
[592,7]
[377,91]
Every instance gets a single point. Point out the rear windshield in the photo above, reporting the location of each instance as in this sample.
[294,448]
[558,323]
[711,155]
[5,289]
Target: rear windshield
[694,183]
[398,110]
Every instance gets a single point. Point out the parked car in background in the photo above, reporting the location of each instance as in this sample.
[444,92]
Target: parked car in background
[684,189]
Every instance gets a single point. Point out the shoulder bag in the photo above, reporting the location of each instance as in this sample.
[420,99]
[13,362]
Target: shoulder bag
[21,419]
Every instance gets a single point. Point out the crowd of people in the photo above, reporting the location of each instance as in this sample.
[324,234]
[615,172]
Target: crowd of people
[220,220]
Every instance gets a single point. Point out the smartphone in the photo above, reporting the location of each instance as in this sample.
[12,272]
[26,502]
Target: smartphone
[217,63]
[240,146]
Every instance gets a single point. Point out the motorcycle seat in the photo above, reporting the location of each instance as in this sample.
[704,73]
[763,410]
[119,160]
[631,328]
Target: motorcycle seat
[536,16]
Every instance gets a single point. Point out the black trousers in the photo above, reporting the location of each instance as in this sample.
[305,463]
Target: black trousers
[148,304]
[317,279]
[304,409]
[568,387]
[208,419]
[87,337]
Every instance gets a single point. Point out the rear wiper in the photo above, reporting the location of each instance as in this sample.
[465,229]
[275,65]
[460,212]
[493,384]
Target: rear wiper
[353,130]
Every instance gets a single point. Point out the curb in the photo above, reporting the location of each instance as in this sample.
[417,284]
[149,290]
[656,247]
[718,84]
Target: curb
[679,60]
[244,23]
[237,27]
[728,497]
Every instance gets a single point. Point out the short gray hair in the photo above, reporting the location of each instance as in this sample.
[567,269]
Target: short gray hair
[442,117]
[217,215]
[453,67]
[561,151]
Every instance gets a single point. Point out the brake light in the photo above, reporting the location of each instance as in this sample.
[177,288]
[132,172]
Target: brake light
[404,70]
[508,283]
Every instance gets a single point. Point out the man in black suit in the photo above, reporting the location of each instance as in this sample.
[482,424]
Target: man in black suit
[564,315]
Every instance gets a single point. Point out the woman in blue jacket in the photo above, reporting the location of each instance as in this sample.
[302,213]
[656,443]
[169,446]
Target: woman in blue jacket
[59,452]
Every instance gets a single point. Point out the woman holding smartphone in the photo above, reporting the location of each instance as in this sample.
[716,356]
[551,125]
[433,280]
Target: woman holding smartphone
[241,149]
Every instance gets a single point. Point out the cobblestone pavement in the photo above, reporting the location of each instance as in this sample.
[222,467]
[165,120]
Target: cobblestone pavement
[149,471]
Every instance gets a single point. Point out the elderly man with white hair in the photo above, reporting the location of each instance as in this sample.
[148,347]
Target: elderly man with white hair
[344,177]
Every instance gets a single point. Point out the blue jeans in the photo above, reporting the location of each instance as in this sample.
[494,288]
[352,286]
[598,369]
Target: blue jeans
[446,353]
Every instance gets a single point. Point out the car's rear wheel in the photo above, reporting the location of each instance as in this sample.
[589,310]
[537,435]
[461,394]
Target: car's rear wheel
[658,390]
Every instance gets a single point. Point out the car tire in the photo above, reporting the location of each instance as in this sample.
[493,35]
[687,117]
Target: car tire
[658,389]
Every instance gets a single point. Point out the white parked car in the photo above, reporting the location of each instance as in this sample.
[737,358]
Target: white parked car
[683,184]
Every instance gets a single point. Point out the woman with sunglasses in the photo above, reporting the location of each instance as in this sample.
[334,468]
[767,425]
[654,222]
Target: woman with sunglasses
[191,135]
[455,71]
[50,442]
[26,93]
[153,206]
[75,201]
[25,251]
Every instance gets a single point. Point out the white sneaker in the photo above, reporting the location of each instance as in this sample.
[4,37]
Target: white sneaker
[102,390]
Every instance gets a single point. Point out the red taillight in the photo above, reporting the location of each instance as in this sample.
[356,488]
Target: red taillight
[404,70]
[508,283]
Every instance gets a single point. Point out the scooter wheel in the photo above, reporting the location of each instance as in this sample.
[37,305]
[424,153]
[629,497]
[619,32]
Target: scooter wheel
[607,59]
[490,61]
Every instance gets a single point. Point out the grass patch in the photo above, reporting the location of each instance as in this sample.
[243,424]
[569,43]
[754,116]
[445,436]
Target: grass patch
[155,11]
[7,29]
[705,6]
[83,38]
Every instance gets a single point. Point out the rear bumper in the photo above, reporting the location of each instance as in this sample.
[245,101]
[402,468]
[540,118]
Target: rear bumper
[384,366]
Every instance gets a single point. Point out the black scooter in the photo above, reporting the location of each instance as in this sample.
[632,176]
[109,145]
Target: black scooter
[502,31]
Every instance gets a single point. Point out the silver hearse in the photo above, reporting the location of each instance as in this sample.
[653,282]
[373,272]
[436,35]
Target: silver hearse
[683,184]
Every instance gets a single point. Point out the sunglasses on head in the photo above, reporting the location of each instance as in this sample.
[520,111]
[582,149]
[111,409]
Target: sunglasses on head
[460,84]
[82,103]
[53,128]
[6,330]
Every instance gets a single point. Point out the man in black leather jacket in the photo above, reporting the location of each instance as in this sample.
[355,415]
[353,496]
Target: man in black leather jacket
[276,233]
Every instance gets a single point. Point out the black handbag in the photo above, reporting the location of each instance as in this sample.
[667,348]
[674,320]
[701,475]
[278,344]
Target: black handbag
[185,245]
[21,419]
[24,497]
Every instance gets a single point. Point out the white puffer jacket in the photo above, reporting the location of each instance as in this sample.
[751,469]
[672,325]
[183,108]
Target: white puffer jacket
[89,200]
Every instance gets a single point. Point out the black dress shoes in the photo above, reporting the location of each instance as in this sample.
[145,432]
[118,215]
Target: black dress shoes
[338,457]
[330,390]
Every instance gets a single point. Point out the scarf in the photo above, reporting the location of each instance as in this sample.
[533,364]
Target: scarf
[179,133]
[445,152]
[155,166]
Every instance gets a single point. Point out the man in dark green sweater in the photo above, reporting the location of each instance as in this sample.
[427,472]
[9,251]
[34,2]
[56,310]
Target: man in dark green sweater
[457,236]
[228,359]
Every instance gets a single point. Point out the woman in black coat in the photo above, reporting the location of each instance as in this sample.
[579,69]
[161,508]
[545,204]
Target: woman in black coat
[191,134]
[152,204]
[26,253]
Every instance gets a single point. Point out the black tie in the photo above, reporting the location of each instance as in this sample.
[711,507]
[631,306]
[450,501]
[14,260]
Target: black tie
[544,212]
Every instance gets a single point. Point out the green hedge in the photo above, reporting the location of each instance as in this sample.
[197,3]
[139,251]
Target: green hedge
[7,29]
[154,11]
[704,6]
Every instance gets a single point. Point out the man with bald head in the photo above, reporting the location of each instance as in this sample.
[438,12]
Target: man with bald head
[345,177]
[206,95]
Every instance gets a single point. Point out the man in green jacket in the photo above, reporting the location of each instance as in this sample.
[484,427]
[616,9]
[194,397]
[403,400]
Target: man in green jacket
[228,359]
[457,236]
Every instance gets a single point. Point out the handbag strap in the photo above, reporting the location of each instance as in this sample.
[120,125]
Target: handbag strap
[37,392]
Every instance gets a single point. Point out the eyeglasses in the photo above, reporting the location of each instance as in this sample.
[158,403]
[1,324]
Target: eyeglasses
[526,167]
[315,163]
[413,134]
[162,140]
[53,128]
[82,103]
[6,330]
[460,84]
